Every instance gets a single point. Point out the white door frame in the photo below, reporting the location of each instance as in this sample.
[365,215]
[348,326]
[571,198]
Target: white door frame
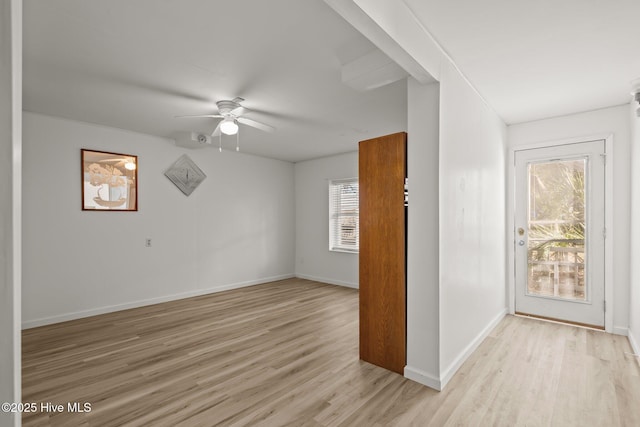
[608,206]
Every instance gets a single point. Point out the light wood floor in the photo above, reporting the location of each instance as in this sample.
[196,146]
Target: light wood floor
[285,354]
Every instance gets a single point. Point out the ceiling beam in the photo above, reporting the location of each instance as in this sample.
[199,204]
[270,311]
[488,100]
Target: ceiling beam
[361,20]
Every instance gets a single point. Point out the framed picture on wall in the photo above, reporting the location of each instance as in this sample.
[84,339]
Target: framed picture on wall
[109,181]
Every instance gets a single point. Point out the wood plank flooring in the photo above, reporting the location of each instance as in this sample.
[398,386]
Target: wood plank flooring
[286,354]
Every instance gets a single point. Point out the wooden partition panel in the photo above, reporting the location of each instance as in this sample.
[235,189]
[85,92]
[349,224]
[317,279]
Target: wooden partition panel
[382,169]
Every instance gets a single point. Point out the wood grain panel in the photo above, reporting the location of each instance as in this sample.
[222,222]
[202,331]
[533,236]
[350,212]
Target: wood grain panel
[286,354]
[382,169]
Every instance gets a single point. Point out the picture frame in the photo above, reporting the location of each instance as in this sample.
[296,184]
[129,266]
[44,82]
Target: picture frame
[185,174]
[109,181]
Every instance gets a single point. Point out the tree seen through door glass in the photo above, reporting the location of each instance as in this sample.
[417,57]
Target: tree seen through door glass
[557,224]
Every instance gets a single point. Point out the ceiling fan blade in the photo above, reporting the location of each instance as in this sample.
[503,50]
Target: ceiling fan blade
[216,131]
[237,100]
[215,116]
[255,124]
[238,111]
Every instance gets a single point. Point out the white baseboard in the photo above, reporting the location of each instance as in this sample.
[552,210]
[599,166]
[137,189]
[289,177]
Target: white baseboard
[469,349]
[635,345]
[141,303]
[327,280]
[422,377]
[619,330]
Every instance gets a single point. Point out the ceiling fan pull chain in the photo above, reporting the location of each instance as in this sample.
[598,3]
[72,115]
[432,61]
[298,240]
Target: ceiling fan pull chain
[238,141]
[220,149]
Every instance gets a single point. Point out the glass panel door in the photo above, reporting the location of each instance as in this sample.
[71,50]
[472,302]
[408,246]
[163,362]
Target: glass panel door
[559,232]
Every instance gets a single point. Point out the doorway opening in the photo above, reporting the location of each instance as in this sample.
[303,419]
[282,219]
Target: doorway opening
[559,232]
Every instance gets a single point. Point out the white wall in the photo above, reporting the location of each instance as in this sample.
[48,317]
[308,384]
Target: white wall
[634,285]
[456,258]
[313,259]
[236,229]
[614,121]
[10,204]
[472,148]
[472,220]
[423,273]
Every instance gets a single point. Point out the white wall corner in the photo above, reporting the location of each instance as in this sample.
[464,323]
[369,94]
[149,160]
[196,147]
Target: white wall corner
[635,343]
[634,282]
[361,20]
[422,377]
[10,205]
[450,371]
[423,339]
[620,330]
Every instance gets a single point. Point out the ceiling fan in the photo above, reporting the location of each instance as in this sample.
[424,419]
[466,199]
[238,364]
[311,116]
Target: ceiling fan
[231,114]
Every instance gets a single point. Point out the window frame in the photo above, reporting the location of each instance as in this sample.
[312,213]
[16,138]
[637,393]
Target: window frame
[337,211]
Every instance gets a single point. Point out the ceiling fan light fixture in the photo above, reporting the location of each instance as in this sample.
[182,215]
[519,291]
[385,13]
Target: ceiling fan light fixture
[130,166]
[229,126]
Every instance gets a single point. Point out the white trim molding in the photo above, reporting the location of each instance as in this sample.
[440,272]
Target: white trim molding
[450,371]
[620,330]
[422,377]
[609,225]
[327,280]
[438,383]
[610,233]
[635,345]
[141,303]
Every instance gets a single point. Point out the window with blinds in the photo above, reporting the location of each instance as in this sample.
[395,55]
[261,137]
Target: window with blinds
[343,215]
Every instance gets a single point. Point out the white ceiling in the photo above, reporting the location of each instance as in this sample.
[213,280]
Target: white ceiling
[137,64]
[534,59]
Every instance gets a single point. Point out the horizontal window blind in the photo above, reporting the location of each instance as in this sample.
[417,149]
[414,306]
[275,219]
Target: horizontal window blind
[344,215]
